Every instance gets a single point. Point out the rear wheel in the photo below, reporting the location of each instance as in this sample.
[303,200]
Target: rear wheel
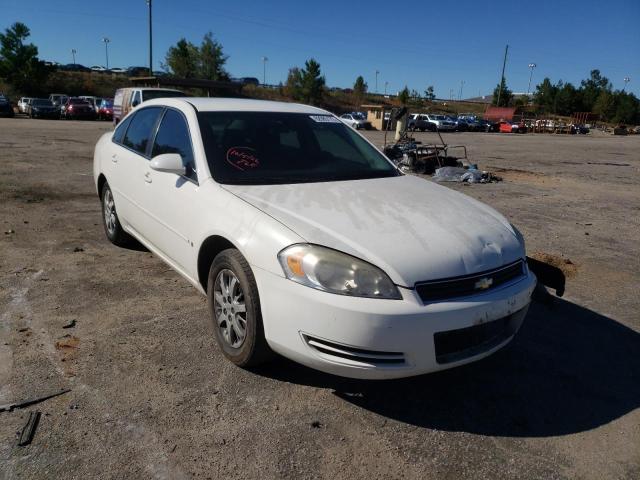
[234,305]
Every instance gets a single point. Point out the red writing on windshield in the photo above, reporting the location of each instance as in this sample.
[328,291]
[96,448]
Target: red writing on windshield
[242,158]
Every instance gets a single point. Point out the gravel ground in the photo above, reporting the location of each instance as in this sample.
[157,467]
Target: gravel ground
[152,397]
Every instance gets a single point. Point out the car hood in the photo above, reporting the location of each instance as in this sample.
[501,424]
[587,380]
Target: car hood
[413,229]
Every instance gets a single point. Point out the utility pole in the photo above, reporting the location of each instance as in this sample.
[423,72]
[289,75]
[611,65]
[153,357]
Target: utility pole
[386,84]
[531,66]
[264,70]
[625,80]
[377,72]
[461,85]
[504,64]
[150,40]
[106,49]
[73,54]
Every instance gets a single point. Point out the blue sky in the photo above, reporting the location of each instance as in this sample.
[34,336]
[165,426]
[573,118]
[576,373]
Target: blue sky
[439,43]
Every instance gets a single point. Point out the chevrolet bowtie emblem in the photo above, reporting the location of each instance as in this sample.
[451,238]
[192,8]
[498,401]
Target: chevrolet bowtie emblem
[483,283]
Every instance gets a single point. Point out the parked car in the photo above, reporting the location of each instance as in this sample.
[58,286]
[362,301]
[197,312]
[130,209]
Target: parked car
[489,126]
[356,120]
[77,108]
[58,99]
[98,68]
[441,122]
[118,70]
[94,101]
[468,125]
[511,127]
[74,67]
[23,104]
[420,121]
[105,109]
[266,208]
[42,108]
[126,99]
[6,109]
[138,71]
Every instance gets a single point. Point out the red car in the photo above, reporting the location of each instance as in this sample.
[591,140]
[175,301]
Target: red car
[508,127]
[77,108]
[105,109]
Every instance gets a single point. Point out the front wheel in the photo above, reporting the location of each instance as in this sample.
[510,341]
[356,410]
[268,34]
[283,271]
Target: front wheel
[234,305]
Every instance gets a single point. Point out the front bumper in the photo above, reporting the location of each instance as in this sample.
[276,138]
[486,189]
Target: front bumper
[382,339]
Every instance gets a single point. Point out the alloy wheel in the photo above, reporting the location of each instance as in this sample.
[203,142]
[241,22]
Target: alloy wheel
[229,308]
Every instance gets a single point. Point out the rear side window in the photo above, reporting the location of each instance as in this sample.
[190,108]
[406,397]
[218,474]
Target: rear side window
[139,131]
[121,129]
[173,137]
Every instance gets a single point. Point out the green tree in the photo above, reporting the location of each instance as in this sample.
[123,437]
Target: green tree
[360,86]
[312,82]
[212,59]
[604,105]
[545,95]
[627,108]
[19,63]
[183,59]
[428,94]
[567,100]
[403,96]
[504,93]
[293,86]
[207,61]
[591,89]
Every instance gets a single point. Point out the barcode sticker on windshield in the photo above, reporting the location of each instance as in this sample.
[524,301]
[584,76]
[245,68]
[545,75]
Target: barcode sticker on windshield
[324,119]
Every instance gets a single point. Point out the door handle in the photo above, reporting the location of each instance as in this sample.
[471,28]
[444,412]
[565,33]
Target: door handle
[114,158]
[147,177]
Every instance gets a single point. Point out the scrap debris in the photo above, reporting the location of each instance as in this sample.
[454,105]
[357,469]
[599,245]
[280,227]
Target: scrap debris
[460,174]
[25,403]
[29,429]
[71,324]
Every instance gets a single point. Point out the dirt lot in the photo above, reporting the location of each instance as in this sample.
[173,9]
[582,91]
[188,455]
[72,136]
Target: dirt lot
[152,397]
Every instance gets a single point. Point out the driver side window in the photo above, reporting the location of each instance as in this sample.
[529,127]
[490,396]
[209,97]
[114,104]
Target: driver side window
[173,137]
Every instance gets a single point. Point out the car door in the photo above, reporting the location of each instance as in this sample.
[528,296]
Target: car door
[129,166]
[172,200]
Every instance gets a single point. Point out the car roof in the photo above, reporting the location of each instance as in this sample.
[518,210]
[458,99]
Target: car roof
[204,104]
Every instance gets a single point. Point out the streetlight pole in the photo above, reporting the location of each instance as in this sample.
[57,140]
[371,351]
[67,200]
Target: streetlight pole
[149,3]
[461,85]
[264,70]
[504,64]
[386,84]
[106,49]
[377,72]
[73,54]
[531,67]
[626,80]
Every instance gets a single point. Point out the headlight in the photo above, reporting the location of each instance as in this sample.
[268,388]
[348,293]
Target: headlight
[335,272]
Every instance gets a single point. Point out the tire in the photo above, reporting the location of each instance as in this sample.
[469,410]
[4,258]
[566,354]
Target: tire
[112,228]
[240,335]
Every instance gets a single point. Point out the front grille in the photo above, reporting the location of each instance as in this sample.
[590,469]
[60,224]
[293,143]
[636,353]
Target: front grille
[469,284]
[455,345]
[370,357]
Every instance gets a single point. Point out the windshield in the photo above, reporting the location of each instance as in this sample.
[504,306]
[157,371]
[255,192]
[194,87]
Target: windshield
[78,101]
[438,117]
[262,148]
[42,103]
[151,94]
[359,116]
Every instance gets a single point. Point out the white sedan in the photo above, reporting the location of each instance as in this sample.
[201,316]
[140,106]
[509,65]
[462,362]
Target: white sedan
[356,120]
[308,241]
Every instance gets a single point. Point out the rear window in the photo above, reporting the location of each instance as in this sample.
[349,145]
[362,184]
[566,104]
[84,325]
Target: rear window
[140,127]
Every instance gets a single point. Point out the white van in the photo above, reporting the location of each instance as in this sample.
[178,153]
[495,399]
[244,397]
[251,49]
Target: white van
[127,99]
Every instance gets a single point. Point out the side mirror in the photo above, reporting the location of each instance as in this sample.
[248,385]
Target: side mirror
[169,163]
[135,103]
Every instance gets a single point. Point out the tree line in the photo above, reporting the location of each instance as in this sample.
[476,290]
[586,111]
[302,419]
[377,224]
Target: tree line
[594,94]
[21,68]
